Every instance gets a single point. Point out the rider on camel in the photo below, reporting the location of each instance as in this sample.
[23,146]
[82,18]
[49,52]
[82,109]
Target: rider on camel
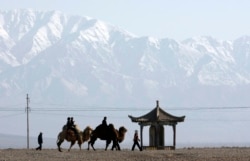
[104,122]
[68,123]
[71,126]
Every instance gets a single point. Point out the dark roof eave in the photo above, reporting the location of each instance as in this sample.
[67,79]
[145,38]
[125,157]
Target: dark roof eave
[139,119]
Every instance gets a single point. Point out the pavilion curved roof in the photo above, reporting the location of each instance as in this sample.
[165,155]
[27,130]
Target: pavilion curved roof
[157,115]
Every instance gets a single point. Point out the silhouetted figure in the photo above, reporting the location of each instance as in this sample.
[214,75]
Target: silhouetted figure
[40,141]
[136,141]
[104,122]
[71,125]
[72,122]
[68,123]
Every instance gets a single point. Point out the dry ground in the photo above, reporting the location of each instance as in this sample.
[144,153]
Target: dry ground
[190,154]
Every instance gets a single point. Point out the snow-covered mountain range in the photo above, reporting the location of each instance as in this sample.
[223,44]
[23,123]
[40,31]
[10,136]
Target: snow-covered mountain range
[73,59]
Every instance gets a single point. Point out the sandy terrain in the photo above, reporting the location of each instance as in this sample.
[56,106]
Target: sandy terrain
[199,154]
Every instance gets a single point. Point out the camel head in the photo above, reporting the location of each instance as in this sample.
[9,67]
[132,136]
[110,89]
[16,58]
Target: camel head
[89,129]
[121,134]
[122,130]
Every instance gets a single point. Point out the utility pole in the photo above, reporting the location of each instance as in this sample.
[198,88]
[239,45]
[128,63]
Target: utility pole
[27,111]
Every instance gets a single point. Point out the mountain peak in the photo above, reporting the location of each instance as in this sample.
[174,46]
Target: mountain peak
[53,54]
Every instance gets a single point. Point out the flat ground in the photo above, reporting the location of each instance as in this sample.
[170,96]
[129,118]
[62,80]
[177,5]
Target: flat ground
[190,154]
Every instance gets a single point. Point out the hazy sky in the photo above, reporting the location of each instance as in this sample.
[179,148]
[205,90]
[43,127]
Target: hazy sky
[178,19]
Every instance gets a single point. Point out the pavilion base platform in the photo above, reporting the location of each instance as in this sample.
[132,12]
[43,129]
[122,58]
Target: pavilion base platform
[158,148]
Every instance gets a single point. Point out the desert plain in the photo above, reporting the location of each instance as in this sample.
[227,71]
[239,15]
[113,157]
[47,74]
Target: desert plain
[184,154]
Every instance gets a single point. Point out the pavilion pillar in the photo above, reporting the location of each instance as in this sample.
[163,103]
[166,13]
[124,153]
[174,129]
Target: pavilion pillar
[157,137]
[141,133]
[174,135]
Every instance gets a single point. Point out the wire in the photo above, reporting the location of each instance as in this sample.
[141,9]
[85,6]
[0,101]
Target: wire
[11,115]
[11,106]
[106,108]
[53,109]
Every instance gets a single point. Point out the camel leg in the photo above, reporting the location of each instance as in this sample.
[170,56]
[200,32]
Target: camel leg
[72,143]
[88,145]
[107,144]
[80,145]
[92,142]
[80,142]
[59,145]
[116,146]
[113,146]
[92,145]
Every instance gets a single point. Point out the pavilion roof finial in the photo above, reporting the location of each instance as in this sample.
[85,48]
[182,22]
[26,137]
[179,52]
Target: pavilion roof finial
[157,103]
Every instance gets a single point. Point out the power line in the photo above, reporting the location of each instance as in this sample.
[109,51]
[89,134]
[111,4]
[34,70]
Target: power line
[66,108]
[11,115]
[56,109]
[13,106]
[106,108]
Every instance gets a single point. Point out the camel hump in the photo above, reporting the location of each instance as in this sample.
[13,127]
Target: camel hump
[100,127]
[103,128]
[111,126]
[77,128]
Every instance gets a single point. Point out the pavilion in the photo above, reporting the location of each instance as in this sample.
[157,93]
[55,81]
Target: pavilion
[156,119]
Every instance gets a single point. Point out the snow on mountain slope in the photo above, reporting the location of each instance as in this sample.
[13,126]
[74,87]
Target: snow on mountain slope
[60,57]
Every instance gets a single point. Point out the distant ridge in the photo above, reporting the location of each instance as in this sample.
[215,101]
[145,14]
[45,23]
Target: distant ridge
[55,56]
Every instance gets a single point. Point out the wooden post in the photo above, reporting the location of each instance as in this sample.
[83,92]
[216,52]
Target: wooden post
[27,111]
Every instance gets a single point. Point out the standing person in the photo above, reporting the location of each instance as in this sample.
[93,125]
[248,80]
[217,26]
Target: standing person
[136,141]
[40,141]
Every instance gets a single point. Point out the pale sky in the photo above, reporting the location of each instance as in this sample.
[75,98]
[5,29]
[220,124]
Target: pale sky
[177,19]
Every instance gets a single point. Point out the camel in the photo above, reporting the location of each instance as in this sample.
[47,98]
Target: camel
[121,136]
[70,136]
[109,134]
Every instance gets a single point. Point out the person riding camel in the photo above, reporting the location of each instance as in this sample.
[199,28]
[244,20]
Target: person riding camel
[68,124]
[71,126]
[72,122]
[104,122]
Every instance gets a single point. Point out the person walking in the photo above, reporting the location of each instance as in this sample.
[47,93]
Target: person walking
[136,141]
[40,141]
